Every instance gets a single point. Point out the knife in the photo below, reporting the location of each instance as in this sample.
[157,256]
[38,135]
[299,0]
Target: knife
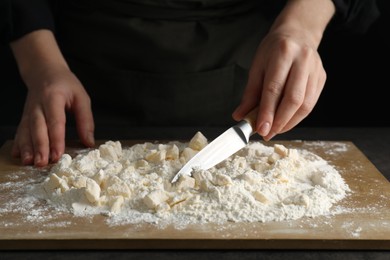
[232,140]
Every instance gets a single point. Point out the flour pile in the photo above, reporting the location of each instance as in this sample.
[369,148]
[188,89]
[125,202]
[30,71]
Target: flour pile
[132,184]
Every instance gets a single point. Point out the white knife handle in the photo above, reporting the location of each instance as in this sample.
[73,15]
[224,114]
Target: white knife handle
[251,118]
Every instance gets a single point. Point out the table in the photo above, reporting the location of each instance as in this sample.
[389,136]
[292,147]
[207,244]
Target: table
[373,142]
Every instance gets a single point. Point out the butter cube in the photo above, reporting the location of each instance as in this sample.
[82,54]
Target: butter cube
[54,182]
[92,191]
[222,180]
[63,163]
[99,177]
[154,198]
[185,182]
[110,151]
[141,164]
[172,153]
[116,204]
[281,150]
[79,181]
[187,154]
[250,177]
[274,157]
[259,196]
[198,142]
[113,168]
[119,189]
[156,156]
[200,176]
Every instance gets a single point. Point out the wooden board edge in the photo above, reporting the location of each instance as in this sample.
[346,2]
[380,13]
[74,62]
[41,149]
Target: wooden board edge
[192,244]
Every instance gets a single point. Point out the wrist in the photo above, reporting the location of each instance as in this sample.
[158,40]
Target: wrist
[306,18]
[36,54]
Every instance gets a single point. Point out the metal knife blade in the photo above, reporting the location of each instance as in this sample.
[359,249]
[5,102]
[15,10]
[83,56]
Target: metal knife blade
[232,140]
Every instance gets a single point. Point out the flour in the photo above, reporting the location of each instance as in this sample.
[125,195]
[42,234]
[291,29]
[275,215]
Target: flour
[132,184]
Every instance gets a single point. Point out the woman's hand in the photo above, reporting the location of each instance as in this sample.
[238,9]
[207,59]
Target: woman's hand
[52,90]
[40,137]
[285,81]
[287,76]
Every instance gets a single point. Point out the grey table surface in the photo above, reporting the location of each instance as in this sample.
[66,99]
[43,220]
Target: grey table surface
[374,142]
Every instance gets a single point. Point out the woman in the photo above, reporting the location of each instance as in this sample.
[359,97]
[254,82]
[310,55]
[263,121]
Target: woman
[148,62]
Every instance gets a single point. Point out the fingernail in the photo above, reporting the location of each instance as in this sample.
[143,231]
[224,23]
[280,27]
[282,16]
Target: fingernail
[236,111]
[53,156]
[26,157]
[91,139]
[37,159]
[270,136]
[264,129]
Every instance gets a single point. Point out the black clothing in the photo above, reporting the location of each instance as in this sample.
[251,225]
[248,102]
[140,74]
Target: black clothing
[149,62]
[20,17]
[166,68]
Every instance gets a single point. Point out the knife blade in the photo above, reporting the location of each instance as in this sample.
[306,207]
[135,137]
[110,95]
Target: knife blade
[229,142]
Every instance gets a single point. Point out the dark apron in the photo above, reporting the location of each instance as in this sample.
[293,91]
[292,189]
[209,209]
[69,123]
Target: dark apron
[178,64]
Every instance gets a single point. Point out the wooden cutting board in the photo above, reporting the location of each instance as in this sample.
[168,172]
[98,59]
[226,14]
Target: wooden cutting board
[363,224]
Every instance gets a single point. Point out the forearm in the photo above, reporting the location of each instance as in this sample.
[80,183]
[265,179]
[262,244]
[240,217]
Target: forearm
[36,52]
[310,17]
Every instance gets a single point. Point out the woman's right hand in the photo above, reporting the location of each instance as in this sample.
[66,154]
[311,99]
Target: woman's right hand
[52,90]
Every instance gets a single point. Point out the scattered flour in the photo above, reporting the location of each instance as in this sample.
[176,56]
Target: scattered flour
[132,184]
[332,148]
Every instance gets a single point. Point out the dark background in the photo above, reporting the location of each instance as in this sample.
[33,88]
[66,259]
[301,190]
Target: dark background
[355,93]
[357,67]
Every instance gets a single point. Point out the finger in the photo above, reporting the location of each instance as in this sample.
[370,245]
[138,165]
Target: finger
[56,120]
[15,151]
[22,146]
[84,121]
[313,93]
[251,95]
[40,138]
[272,91]
[293,97]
